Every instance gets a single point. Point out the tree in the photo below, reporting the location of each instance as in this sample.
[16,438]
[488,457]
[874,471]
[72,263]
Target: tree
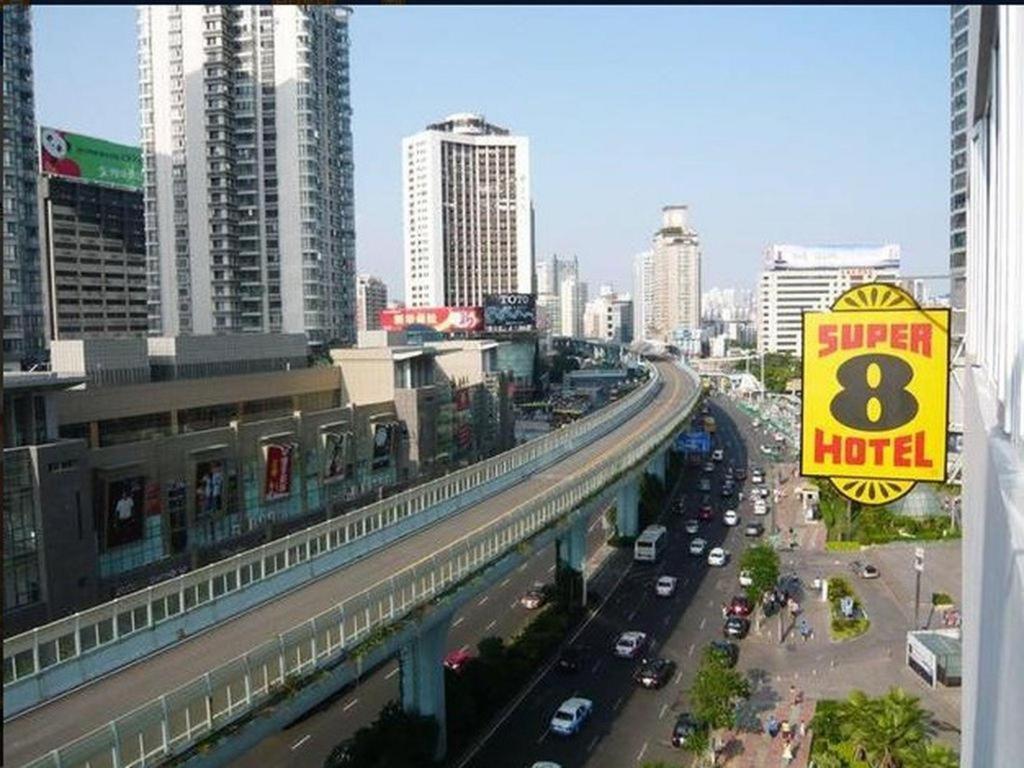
[762,561]
[395,740]
[716,690]
[888,732]
[934,756]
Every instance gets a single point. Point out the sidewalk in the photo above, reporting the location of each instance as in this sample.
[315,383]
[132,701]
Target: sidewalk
[759,750]
[789,513]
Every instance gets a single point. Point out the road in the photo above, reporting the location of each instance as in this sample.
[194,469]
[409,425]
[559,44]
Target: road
[631,725]
[79,712]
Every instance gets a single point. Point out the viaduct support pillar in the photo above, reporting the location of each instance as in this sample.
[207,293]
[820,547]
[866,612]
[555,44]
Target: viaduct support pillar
[627,509]
[656,466]
[422,676]
[571,548]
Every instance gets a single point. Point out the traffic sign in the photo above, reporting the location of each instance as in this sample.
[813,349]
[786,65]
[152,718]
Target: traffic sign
[876,391]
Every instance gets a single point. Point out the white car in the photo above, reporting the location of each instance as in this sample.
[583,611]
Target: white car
[691,526]
[545,764]
[705,484]
[730,517]
[571,715]
[665,586]
[717,455]
[745,579]
[630,644]
[698,546]
[760,508]
[757,478]
[756,423]
[716,556]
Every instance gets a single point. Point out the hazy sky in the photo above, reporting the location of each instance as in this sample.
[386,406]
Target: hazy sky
[805,125]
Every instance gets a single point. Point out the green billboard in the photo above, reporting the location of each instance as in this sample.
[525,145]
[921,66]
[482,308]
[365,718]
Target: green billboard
[74,156]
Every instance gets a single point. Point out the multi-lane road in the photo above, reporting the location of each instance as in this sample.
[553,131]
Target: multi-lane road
[91,706]
[631,725]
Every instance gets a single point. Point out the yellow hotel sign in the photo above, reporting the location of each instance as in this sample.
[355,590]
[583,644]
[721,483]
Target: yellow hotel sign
[875,393]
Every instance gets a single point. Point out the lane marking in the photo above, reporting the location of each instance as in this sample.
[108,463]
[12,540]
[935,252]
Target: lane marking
[490,626]
[703,622]
[593,525]
[464,648]
[679,677]
[392,673]
[692,646]
[513,604]
[590,747]
[618,703]
[633,614]
[666,620]
[505,582]
[483,600]
[523,567]
[597,666]
[301,741]
[458,621]
[643,750]
[349,706]
[551,569]
[664,709]
[543,736]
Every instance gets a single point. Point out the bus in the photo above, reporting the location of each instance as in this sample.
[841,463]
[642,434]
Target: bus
[650,543]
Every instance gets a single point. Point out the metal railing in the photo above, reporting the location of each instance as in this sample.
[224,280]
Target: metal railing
[180,718]
[39,650]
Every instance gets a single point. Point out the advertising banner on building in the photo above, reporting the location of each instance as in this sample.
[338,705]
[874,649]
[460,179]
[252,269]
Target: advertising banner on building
[383,444]
[125,507]
[442,319]
[876,393]
[278,468]
[510,311]
[209,485]
[337,454]
[74,156]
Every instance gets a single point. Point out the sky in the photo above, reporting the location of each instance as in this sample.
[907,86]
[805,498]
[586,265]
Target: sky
[798,125]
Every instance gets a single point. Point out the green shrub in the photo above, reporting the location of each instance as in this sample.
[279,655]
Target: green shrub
[842,546]
[838,587]
[845,629]
[941,598]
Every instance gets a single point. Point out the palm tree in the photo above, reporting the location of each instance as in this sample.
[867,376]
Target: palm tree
[934,756]
[858,722]
[887,732]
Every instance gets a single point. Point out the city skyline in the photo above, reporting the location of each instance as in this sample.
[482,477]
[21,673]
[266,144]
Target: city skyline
[816,183]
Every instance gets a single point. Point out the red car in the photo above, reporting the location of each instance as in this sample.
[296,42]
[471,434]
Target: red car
[740,606]
[706,513]
[456,660]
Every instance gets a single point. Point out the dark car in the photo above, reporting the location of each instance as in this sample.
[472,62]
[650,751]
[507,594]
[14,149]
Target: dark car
[654,673]
[706,513]
[741,473]
[730,651]
[726,491]
[686,725]
[753,529]
[736,626]
[572,658]
[740,606]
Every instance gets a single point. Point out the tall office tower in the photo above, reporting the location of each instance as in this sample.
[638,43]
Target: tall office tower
[609,317]
[643,293]
[371,300]
[24,328]
[247,161]
[92,237]
[958,17]
[467,213]
[549,319]
[675,275]
[798,278]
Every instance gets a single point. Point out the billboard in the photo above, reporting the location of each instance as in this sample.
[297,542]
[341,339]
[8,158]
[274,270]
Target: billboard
[506,311]
[277,470]
[878,367]
[337,454]
[209,479]
[694,442]
[442,319]
[74,156]
[383,444]
[125,506]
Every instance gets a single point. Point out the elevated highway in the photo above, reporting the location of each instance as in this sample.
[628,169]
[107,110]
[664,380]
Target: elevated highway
[166,701]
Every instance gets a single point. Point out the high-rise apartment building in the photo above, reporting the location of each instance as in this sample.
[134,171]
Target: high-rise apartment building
[247,161]
[675,275]
[958,17]
[371,300]
[467,213]
[92,237]
[24,328]
[643,293]
[609,317]
[798,278]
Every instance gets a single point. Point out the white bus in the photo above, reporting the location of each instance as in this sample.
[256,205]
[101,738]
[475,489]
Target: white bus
[650,543]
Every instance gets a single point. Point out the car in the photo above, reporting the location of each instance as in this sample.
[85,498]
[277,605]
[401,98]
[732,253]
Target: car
[745,578]
[717,557]
[753,529]
[767,450]
[736,626]
[654,673]
[726,491]
[709,467]
[545,764]
[692,525]
[869,572]
[705,484]
[739,606]
[756,423]
[630,644]
[698,546]
[680,507]
[730,651]
[741,473]
[665,586]
[572,658]
[718,455]
[457,659]
[534,599]
[686,725]
[729,473]
[763,492]
[570,717]
[760,508]
[779,437]
[730,517]
[706,512]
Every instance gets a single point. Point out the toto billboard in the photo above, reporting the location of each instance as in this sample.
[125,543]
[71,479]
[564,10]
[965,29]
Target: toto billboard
[506,311]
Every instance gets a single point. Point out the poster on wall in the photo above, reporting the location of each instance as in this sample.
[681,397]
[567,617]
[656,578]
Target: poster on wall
[125,507]
[383,445]
[337,448]
[153,505]
[277,474]
[209,478]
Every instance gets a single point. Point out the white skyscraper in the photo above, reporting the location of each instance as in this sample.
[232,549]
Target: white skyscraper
[467,213]
[643,293]
[675,275]
[247,160]
[798,278]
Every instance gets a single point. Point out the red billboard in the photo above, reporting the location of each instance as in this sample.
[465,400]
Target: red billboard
[441,319]
[277,478]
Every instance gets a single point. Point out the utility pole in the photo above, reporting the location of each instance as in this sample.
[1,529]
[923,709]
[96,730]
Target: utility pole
[918,569]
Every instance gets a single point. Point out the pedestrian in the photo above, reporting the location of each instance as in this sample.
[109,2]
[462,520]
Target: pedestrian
[772,726]
[792,694]
[787,754]
[803,729]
